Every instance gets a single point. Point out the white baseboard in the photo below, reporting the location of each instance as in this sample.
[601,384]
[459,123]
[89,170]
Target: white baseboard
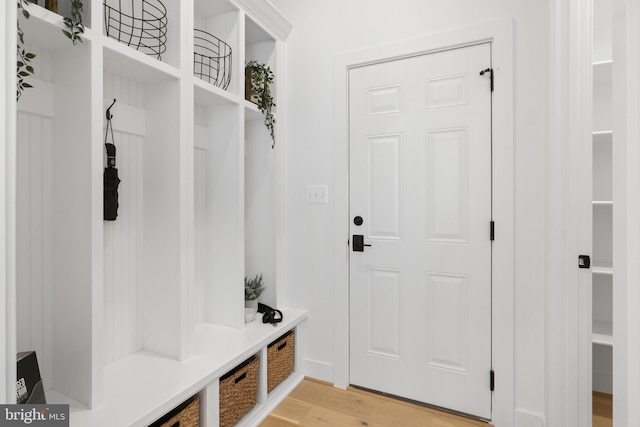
[318,370]
[524,418]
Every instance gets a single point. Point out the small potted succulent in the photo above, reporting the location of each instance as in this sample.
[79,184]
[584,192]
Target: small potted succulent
[253,288]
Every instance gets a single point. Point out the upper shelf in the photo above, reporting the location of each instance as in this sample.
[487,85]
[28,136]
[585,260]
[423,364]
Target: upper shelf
[602,333]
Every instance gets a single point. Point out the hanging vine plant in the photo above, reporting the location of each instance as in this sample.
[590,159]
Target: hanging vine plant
[74,22]
[25,69]
[24,58]
[258,79]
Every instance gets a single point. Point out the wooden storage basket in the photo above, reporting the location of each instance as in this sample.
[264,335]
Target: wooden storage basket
[185,415]
[280,359]
[238,392]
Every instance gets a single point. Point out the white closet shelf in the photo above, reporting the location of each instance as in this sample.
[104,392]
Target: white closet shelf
[603,202]
[605,63]
[602,333]
[602,268]
[125,61]
[208,95]
[251,111]
[144,386]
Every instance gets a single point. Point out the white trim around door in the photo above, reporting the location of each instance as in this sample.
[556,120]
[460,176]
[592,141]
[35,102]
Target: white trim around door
[501,36]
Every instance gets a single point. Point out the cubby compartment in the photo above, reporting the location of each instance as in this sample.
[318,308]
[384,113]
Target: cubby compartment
[218,211]
[262,177]
[603,369]
[260,213]
[55,239]
[261,46]
[142,270]
[602,167]
[602,96]
[216,58]
[602,237]
[150,27]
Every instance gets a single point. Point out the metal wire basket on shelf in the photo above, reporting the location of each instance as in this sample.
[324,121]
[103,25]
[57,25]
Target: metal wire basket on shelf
[141,24]
[211,59]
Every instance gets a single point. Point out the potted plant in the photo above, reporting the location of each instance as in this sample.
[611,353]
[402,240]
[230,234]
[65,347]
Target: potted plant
[258,79]
[253,288]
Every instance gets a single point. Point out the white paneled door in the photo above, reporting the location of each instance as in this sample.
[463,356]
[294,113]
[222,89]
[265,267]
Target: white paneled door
[420,196]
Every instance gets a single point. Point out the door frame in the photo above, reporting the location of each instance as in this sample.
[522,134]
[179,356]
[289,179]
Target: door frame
[8,203]
[501,36]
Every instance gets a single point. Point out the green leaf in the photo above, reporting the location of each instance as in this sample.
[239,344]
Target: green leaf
[30,55]
[67,33]
[30,69]
[25,84]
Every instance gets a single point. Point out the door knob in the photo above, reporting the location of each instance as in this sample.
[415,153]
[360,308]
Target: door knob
[358,243]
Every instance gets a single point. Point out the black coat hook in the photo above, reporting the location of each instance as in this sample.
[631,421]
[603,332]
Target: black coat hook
[109,115]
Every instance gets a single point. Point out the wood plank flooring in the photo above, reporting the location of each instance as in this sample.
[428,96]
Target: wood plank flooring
[315,403]
[602,410]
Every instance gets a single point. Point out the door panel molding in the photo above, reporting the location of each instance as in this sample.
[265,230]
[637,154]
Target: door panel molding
[501,35]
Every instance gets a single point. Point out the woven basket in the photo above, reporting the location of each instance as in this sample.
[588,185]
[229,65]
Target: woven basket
[185,415]
[238,392]
[280,359]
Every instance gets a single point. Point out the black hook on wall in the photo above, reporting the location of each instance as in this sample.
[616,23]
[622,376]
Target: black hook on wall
[109,115]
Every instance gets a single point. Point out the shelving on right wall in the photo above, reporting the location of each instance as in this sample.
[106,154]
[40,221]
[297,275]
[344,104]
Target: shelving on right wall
[603,203]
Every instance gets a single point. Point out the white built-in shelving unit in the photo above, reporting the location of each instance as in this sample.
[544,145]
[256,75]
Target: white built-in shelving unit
[129,318]
[603,203]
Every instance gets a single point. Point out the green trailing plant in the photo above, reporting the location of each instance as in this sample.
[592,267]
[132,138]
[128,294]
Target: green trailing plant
[24,68]
[261,78]
[253,288]
[74,22]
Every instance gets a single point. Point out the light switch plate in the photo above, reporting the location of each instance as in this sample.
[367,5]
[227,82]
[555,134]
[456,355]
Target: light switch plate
[317,194]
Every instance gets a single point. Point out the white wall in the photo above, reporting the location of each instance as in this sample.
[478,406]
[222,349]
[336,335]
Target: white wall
[323,29]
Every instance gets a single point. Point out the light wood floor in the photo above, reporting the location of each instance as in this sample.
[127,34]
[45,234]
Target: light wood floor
[315,403]
[602,410]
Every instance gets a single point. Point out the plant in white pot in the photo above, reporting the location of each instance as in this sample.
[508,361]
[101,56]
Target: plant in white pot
[253,288]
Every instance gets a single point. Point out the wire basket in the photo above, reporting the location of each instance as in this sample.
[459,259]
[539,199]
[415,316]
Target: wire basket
[211,59]
[141,24]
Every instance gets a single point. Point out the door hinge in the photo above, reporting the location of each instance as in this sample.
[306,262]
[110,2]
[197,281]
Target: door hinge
[490,71]
[492,230]
[492,380]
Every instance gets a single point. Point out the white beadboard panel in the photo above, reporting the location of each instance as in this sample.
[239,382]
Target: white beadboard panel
[123,237]
[38,101]
[126,118]
[124,90]
[122,242]
[200,232]
[34,246]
